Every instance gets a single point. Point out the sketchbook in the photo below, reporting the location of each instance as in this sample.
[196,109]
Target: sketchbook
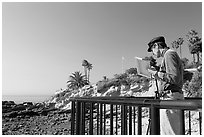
[142,67]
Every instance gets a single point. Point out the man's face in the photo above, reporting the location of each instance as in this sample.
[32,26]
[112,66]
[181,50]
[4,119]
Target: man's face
[155,50]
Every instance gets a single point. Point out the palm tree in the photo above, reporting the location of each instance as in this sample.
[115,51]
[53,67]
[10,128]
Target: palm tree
[76,80]
[85,65]
[197,49]
[177,44]
[195,44]
[89,67]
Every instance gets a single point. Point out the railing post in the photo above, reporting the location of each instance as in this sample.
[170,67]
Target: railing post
[123,120]
[78,116]
[82,121]
[189,118]
[200,123]
[101,118]
[181,117]
[130,120]
[104,120]
[134,120]
[139,119]
[73,118]
[91,119]
[116,119]
[97,118]
[155,120]
[111,119]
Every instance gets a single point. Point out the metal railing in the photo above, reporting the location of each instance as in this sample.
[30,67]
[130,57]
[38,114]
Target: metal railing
[125,115]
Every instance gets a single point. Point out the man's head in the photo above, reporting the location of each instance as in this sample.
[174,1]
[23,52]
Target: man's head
[155,46]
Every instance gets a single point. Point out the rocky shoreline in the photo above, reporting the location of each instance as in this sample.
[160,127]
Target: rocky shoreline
[34,119]
[43,119]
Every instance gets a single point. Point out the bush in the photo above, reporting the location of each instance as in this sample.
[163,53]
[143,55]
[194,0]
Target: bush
[187,76]
[193,88]
[103,86]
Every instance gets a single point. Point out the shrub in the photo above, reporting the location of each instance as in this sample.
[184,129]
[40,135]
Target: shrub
[103,86]
[193,88]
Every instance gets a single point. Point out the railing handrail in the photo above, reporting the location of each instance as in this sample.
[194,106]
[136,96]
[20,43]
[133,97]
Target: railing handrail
[187,103]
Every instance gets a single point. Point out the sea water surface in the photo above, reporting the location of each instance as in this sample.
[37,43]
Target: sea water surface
[26,98]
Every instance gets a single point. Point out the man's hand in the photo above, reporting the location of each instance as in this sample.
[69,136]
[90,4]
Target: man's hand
[152,71]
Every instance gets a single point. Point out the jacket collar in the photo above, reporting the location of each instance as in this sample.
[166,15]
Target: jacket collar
[164,51]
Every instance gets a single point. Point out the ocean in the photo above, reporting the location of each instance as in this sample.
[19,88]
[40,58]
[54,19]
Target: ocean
[25,98]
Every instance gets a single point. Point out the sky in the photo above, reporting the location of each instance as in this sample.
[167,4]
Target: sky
[44,43]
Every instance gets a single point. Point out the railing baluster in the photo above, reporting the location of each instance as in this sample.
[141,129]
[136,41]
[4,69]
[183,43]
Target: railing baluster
[139,120]
[101,118]
[97,118]
[111,119]
[155,121]
[189,118]
[200,123]
[82,131]
[73,118]
[116,119]
[130,120]
[91,119]
[134,119]
[104,120]
[125,107]
[181,115]
[123,120]
[78,116]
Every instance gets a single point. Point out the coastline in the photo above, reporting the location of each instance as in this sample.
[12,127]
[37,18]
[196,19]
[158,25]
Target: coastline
[25,98]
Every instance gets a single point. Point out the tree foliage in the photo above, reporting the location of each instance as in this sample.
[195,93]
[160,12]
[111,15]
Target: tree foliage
[193,88]
[85,64]
[76,80]
[194,44]
[87,68]
[131,71]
